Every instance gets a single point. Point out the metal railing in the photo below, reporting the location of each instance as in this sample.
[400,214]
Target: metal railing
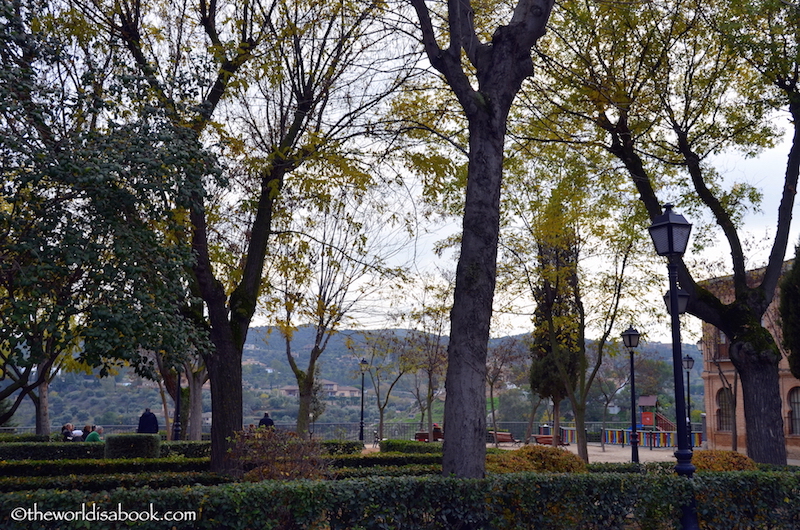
[614,433]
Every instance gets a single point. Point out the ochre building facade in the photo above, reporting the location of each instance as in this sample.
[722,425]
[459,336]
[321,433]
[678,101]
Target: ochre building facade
[723,396]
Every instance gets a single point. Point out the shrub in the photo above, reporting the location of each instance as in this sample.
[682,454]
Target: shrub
[133,446]
[384,459]
[716,460]
[40,468]
[535,458]
[342,447]
[409,446]
[187,448]
[50,450]
[6,437]
[273,454]
[105,482]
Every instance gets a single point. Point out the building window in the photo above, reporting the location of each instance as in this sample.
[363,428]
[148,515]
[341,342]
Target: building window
[794,411]
[722,346]
[725,410]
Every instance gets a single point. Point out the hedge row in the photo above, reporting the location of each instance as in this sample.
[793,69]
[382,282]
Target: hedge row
[409,446]
[384,459]
[43,468]
[93,466]
[164,479]
[516,501]
[83,450]
[37,450]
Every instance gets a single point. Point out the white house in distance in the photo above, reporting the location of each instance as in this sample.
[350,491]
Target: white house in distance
[329,388]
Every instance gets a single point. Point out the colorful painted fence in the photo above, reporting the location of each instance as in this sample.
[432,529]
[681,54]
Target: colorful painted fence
[646,438]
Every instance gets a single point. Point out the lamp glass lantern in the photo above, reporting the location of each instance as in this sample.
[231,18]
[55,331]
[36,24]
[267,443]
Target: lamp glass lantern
[670,233]
[630,337]
[688,362]
[683,301]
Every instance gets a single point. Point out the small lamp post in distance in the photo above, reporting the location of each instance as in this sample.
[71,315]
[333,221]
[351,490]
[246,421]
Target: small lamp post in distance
[630,337]
[363,365]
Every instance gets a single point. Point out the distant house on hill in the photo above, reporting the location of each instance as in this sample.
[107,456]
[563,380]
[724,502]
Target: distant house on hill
[723,396]
[329,388]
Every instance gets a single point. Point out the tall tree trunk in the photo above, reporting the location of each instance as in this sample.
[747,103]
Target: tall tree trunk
[429,401]
[494,418]
[758,372]
[580,430]
[42,406]
[556,422]
[194,431]
[225,373]
[305,392]
[499,68]
[465,405]
[529,428]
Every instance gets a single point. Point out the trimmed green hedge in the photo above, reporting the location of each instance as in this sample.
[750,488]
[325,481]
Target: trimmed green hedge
[410,446]
[83,450]
[39,468]
[51,450]
[517,501]
[133,446]
[591,501]
[189,449]
[38,438]
[383,459]
[112,481]
[342,447]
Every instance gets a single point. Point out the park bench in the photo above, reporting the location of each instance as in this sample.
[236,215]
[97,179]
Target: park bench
[423,436]
[502,437]
[546,439]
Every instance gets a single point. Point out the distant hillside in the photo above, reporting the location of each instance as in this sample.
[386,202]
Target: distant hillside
[339,364]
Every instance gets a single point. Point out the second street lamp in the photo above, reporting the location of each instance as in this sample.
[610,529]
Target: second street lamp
[364,365]
[176,425]
[670,233]
[630,337]
[688,364]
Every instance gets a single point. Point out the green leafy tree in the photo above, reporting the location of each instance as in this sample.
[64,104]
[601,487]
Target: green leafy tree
[558,340]
[387,353]
[790,314]
[664,88]
[326,264]
[86,227]
[281,74]
[485,67]
[501,357]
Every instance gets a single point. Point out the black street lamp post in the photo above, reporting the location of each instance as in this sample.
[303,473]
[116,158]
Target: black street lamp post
[688,364]
[630,337]
[363,365]
[670,234]
[176,425]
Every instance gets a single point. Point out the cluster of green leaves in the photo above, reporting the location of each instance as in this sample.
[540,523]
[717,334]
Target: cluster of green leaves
[521,500]
[717,460]
[93,204]
[538,458]
[37,468]
[109,481]
[50,450]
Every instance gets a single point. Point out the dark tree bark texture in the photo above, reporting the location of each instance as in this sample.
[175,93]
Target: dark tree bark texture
[500,68]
